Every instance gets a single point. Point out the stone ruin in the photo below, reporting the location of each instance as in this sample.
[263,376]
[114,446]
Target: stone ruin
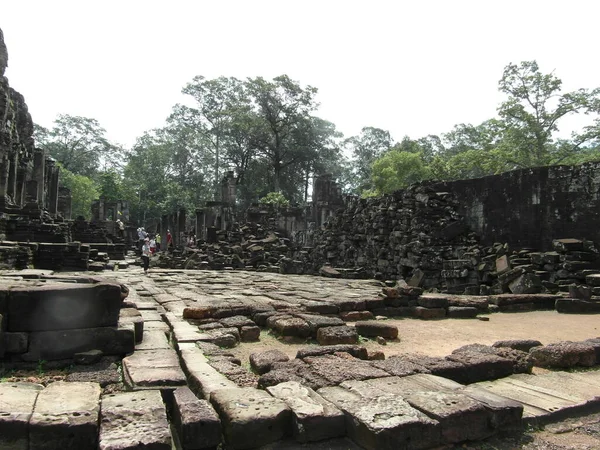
[149,362]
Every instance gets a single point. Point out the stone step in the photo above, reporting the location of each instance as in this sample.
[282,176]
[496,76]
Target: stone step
[16,407]
[133,420]
[153,369]
[65,416]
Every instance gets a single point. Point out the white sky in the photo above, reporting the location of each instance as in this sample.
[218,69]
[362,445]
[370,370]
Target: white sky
[411,67]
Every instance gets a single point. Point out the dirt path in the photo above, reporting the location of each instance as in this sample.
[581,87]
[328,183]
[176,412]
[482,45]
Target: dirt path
[440,337]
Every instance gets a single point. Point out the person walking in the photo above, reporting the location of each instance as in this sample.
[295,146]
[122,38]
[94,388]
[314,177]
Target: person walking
[169,241]
[157,240]
[146,253]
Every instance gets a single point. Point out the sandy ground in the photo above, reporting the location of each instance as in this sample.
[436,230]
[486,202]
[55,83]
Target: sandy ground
[440,337]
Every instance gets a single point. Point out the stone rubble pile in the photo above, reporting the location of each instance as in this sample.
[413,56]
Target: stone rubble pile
[250,247]
[405,234]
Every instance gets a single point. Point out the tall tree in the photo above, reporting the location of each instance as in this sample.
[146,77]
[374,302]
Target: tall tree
[533,110]
[365,148]
[283,108]
[80,144]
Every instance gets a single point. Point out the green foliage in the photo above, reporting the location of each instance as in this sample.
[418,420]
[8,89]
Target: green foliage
[365,148]
[110,185]
[84,191]
[274,198]
[79,144]
[398,169]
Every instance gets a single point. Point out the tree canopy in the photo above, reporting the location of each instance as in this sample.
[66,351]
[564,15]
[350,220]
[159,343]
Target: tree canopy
[267,132]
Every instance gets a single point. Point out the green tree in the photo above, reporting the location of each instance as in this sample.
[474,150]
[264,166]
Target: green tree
[79,144]
[398,169]
[365,148]
[83,192]
[533,110]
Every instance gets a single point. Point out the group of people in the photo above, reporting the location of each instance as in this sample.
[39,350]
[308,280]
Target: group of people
[149,244]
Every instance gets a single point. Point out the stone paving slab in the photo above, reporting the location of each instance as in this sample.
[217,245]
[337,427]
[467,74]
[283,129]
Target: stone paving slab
[251,417]
[154,340]
[384,421]
[153,369]
[65,416]
[202,377]
[315,418]
[197,423]
[16,407]
[134,420]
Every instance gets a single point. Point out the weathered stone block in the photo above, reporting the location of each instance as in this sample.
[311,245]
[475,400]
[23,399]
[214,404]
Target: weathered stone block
[315,418]
[373,328]
[358,351]
[195,420]
[576,306]
[251,417]
[66,417]
[564,355]
[202,377]
[523,345]
[54,345]
[133,420]
[528,283]
[64,307]
[430,313]
[153,368]
[433,302]
[483,366]
[460,417]
[383,422]
[337,335]
[354,316]
[133,316]
[16,407]
[462,312]
[250,333]
[16,342]
[262,362]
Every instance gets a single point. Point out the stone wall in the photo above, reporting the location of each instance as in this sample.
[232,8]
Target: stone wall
[529,208]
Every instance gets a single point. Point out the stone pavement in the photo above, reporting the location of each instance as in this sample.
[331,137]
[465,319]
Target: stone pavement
[182,372]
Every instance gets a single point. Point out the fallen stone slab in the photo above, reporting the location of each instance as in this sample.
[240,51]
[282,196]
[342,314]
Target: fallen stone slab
[337,335]
[431,301]
[236,321]
[250,333]
[354,316]
[576,306]
[64,307]
[293,370]
[461,418]
[539,301]
[383,422]
[290,326]
[262,362]
[336,369]
[358,351]
[197,423]
[462,312]
[564,355]
[482,366]
[429,313]
[398,366]
[522,361]
[16,407]
[315,418]
[65,416]
[234,372]
[523,345]
[184,332]
[134,420]
[504,413]
[56,345]
[316,322]
[153,369]
[251,417]
[372,328]
[441,367]
[203,379]
[150,315]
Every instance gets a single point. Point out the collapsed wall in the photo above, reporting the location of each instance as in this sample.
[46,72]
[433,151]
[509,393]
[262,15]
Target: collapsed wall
[529,208]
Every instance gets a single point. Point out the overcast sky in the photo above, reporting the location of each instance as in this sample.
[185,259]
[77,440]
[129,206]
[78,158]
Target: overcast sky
[413,68]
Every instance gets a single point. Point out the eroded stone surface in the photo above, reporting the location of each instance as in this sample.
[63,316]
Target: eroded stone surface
[315,418]
[133,420]
[16,407]
[66,417]
[251,417]
[198,425]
